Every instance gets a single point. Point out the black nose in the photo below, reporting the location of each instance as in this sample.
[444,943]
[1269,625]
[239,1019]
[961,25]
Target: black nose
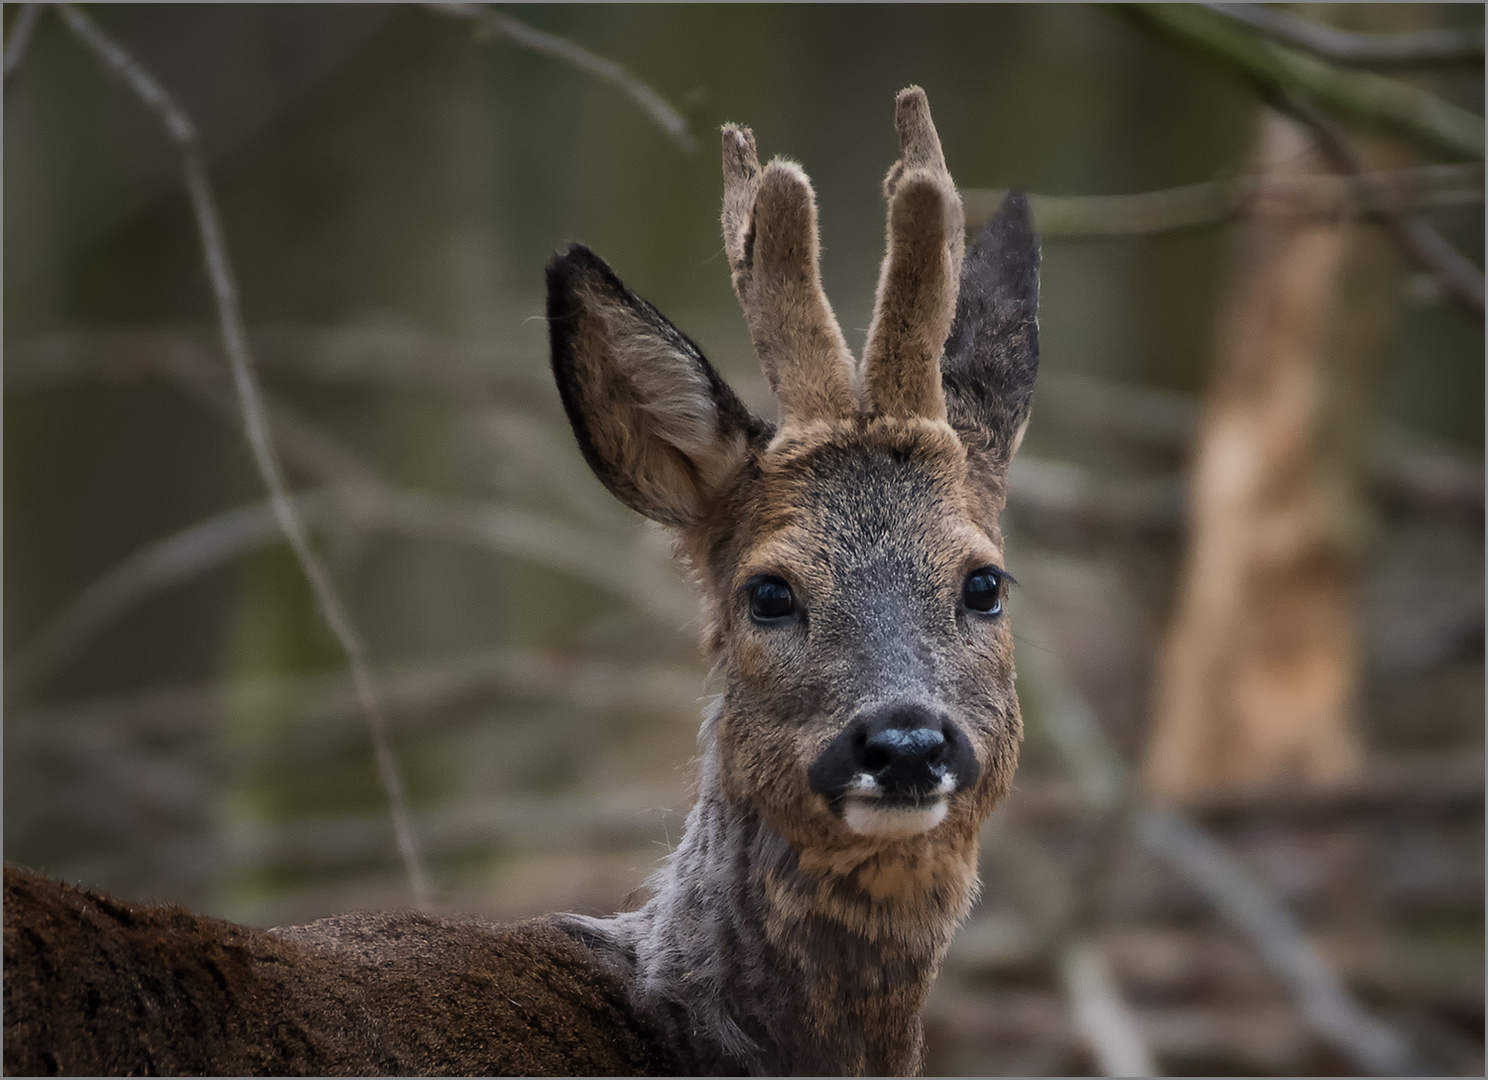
[899,751]
[908,758]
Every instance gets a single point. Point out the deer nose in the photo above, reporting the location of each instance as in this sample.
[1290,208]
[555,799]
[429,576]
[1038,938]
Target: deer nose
[903,758]
[899,751]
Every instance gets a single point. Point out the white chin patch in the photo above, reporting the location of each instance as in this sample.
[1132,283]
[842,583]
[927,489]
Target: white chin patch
[873,818]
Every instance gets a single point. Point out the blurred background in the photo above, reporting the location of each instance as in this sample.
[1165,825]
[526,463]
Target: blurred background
[1247,834]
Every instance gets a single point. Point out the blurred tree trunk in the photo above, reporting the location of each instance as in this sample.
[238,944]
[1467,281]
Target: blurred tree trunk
[1256,680]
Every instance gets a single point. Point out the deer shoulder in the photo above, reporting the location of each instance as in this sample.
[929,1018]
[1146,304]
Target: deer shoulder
[96,986]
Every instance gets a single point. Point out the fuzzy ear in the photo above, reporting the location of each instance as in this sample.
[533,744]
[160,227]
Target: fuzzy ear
[991,353]
[657,424]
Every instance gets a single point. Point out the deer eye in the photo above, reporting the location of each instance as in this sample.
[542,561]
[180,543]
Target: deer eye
[983,591]
[770,599]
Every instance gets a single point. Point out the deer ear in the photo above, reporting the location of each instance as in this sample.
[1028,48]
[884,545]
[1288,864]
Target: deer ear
[991,353]
[657,424]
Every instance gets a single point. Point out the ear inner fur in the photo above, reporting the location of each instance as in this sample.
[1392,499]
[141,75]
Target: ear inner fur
[656,423]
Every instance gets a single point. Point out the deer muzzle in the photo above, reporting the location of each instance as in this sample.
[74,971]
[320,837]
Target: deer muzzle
[893,769]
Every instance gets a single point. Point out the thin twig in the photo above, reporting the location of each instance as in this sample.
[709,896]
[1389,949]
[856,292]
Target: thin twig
[491,23]
[1247,903]
[1328,197]
[1102,1017]
[319,714]
[303,444]
[1388,105]
[235,342]
[629,575]
[147,572]
[540,825]
[20,38]
[1422,48]
[1405,469]
[1103,777]
[1423,245]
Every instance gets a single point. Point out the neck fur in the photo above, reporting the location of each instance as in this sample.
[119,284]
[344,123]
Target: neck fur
[754,960]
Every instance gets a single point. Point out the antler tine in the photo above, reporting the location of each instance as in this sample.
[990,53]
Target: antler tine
[770,237]
[741,175]
[922,265]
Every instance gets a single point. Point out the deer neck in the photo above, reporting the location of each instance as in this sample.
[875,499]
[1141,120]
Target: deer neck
[755,960]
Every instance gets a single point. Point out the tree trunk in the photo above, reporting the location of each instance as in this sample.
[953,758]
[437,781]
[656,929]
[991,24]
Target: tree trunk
[1256,679]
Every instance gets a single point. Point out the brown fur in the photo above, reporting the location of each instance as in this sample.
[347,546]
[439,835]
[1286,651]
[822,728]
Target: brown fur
[922,265]
[778,939]
[770,236]
[94,986]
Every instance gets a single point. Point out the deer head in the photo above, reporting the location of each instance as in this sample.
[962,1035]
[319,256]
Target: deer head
[849,556]
[851,569]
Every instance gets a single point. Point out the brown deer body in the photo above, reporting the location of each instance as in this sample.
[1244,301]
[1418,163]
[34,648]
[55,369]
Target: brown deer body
[850,561]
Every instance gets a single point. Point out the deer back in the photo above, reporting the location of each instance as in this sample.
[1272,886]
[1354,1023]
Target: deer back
[95,986]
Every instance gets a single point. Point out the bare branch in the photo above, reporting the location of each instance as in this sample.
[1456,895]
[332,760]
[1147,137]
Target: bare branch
[1423,245]
[1423,48]
[1292,955]
[1103,777]
[147,572]
[304,443]
[543,824]
[641,581]
[1102,1017]
[20,38]
[1387,105]
[1371,195]
[321,714]
[491,23]
[235,342]
[1430,476]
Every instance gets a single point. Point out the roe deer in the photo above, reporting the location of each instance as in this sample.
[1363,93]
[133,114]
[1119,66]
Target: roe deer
[850,562]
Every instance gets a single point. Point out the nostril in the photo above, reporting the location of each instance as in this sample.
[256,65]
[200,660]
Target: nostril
[901,747]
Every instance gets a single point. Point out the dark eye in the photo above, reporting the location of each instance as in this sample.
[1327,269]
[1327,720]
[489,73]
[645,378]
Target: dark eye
[770,599]
[983,591]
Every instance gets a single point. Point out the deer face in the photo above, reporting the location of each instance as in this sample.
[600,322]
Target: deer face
[850,556]
[867,659]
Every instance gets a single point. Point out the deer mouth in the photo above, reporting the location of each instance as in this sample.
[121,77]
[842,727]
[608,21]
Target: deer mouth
[868,809]
[878,817]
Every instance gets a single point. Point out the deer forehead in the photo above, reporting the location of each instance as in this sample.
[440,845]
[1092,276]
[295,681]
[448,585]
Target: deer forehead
[849,495]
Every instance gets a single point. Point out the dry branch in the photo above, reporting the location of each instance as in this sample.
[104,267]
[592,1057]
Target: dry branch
[1372,195]
[182,131]
[1247,903]
[1423,245]
[1102,775]
[491,23]
[646,583]
[319,713]
[1422,48]
[152,569]
[1101,1016]
[303,443]
[1406,469]
[20,38]
[1388,106]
